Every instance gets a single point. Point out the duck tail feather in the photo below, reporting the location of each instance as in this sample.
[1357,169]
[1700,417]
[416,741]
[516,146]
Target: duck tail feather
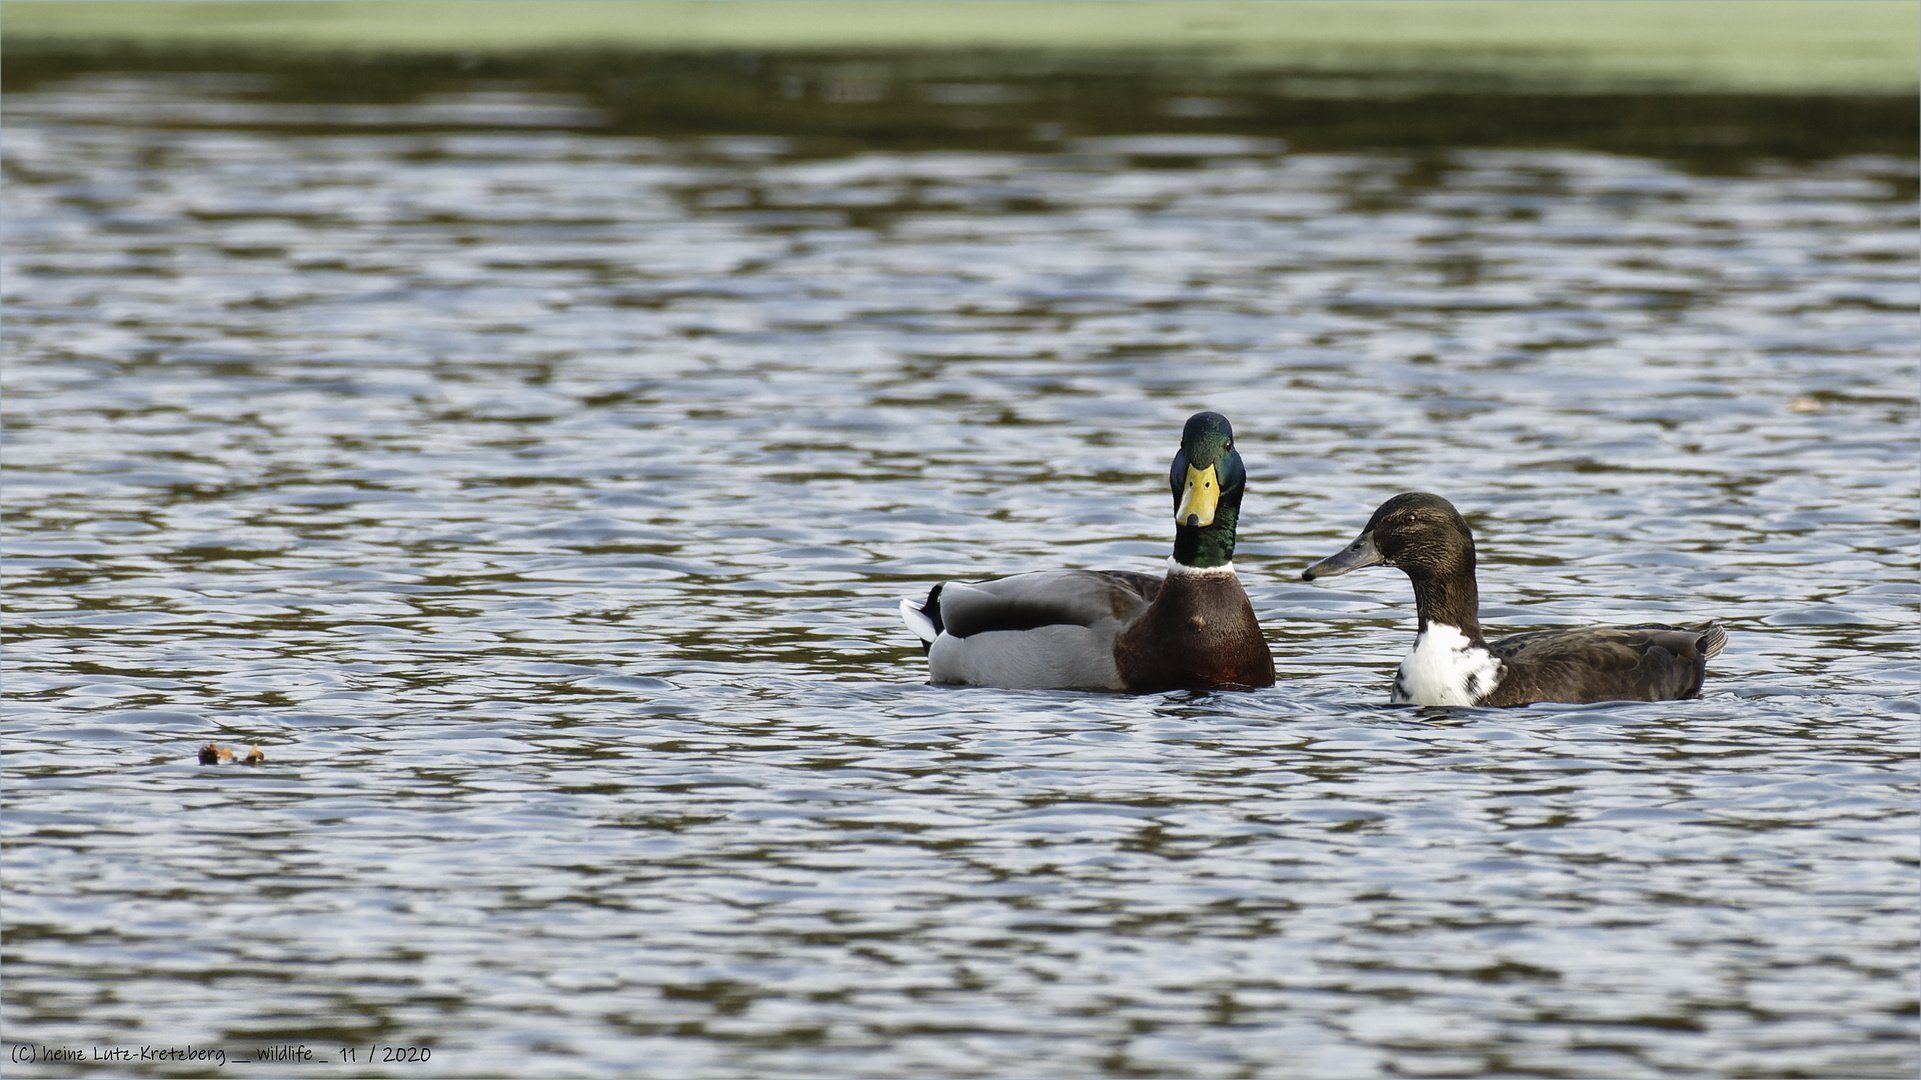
[1711,639]
[923,619]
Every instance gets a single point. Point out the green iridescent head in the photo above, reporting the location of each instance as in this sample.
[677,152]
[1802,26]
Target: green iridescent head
[1208,480]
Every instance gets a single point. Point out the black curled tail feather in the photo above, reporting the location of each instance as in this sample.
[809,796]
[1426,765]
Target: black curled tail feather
[932,607]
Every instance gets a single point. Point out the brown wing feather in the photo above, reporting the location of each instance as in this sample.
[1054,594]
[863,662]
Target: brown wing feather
[1644,662]
[1042,598]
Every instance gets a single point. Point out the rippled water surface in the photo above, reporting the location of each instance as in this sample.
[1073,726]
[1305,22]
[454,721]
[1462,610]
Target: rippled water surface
[538,500]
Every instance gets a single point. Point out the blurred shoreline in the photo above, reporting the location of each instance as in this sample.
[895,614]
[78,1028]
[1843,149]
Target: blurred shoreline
[1792,47]
[1711,86]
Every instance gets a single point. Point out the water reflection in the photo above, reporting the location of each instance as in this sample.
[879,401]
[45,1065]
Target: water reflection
[538,500]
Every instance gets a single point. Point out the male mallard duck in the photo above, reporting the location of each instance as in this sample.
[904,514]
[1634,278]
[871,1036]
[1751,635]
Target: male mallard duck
[1192,629]
[1451,663]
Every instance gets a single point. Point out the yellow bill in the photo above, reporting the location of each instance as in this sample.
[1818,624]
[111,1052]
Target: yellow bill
[1199,497]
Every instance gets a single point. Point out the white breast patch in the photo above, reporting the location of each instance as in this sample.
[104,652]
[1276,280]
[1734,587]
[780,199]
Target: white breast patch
[1445,668]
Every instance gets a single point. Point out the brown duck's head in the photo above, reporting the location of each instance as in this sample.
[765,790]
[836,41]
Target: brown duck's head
[1420,533]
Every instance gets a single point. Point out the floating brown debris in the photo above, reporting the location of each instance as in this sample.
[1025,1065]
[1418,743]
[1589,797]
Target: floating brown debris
[211,754]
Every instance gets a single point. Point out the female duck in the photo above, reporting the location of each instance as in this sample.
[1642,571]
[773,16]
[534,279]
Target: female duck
[1192,629]
[1453,665]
